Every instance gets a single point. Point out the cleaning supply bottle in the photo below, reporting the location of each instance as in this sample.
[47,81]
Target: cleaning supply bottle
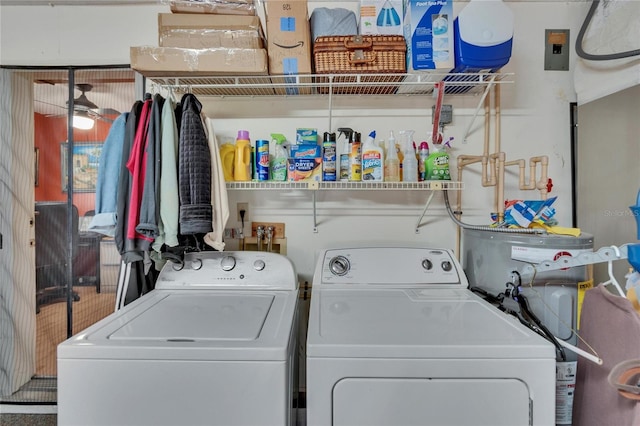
[423,154]
[355,159]
[438,163]
[391,161]
[278,160]
[242,163]
[410,162]
[227,157]
[372,159]
[343,146]
[329,157]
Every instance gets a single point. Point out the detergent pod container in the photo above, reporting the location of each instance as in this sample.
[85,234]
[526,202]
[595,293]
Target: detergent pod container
[483,36]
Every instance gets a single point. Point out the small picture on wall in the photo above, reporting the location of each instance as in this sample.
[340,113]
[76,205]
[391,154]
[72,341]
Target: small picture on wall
[86,156]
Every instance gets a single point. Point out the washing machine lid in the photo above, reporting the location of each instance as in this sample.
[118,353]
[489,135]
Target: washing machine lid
[192,325]
[416,323]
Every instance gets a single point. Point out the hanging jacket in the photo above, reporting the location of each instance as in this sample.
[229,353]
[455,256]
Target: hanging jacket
[124,187]
[136,165]
[194,170]
[104,220]
[169,199]
[149,203]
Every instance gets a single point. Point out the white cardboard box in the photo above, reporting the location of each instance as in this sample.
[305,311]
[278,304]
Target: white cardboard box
[381,17]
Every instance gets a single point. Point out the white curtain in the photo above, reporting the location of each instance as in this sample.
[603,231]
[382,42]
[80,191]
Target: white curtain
[17,256]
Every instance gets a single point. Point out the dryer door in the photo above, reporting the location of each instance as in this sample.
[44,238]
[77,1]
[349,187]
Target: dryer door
[426,401]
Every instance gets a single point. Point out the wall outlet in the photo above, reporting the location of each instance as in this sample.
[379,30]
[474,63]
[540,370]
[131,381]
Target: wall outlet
[245,207]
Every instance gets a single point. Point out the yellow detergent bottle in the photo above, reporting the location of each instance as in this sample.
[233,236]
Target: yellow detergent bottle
[242,163]
[227,156]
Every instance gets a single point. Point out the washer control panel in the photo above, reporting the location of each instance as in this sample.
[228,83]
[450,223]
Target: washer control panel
[229,269]
[390,266]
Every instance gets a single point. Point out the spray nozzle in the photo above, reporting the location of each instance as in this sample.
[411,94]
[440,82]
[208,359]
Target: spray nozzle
[347,132]
[279,138]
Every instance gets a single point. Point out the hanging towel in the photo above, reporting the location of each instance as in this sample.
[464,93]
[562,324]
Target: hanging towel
[612,327]
[104,221]
[218,193]
[169,200]
[194,170]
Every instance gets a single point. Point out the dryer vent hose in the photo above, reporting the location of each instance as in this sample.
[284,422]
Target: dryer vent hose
[486,227]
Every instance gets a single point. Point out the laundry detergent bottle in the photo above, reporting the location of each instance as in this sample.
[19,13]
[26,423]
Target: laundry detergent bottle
[227,156]
[242,163]
[372,160]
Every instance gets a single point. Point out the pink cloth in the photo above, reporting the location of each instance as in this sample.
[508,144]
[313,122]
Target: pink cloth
[612,327]
[137,166]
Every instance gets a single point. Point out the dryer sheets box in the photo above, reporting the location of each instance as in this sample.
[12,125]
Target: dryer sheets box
[428,29]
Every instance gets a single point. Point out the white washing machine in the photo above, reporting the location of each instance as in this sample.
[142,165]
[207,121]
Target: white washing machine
[396,338]
[214,344]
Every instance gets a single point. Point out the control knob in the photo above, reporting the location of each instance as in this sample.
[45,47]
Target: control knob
[427,264]
[259,265]
[228,263]
[446,265]
[339,265]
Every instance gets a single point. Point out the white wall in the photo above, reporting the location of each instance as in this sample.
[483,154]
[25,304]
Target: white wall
[535,121]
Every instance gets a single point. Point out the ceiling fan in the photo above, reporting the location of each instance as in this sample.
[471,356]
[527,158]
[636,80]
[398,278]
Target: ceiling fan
[87,111]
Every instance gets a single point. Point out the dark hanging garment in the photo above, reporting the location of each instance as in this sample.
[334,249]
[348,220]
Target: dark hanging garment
[136,165]
[149,203]
[194,170]
[124,184]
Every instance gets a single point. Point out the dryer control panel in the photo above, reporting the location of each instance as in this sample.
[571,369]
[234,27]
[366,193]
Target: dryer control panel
[390,266]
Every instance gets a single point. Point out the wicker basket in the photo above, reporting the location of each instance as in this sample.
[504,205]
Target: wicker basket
[366,54]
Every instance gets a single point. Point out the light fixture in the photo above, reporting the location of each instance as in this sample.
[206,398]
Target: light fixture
[82,121]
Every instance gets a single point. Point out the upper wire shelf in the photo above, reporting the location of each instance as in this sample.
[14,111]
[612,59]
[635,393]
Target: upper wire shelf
[334,84]
[431,185]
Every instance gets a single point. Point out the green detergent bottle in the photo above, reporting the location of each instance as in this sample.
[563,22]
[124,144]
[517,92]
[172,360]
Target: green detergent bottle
[437,163]
[278,160]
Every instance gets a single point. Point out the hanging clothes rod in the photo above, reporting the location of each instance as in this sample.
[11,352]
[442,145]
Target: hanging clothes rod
[604,254]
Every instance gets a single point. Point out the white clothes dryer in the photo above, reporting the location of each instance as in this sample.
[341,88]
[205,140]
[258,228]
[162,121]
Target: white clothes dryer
[396,338]
[214,343]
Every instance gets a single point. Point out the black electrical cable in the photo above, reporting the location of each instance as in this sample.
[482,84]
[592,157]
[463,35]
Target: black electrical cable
[524,305]
[589,56]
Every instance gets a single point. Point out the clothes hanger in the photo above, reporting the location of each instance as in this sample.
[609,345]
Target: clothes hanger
[612,279]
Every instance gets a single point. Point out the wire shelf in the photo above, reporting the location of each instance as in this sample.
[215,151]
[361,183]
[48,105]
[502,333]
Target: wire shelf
[434,185]
[334,84]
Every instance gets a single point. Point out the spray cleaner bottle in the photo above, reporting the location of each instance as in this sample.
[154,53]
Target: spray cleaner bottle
[278,160]
[372,159]
[343,146]
[391,161]
[410,162]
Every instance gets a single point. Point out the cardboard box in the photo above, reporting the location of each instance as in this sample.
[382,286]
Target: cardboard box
[288,40]
[381,17]
[173,61]
[234,7]
[201,31]
[428,29]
